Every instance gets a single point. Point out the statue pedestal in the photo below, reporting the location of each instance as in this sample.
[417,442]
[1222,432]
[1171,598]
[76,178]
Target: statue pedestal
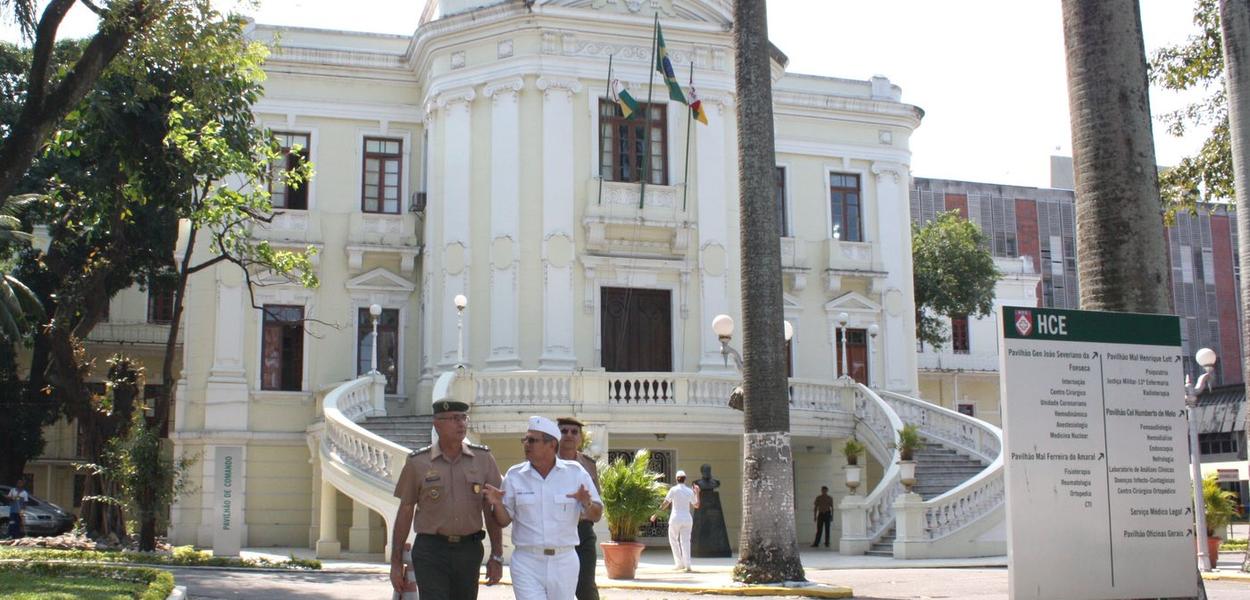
[708,537]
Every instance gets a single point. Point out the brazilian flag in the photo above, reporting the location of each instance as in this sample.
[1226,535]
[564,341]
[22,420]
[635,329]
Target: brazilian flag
[665,67]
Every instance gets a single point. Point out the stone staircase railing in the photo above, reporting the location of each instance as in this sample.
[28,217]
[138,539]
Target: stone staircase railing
[966,520]
[866,518]
[353,460]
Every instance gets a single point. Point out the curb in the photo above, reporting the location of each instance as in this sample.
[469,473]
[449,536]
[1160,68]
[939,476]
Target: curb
[812,590]
[1226,576]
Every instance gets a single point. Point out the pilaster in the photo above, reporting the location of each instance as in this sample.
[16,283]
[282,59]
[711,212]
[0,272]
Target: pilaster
[894,243]
[455,108]
[712,199]
[559,248]
[505,181]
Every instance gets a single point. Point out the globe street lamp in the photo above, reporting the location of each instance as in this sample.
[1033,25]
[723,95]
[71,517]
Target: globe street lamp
[461,302]
[723,327]
[873,331]
[843,318]
[375,311]
[1206,358]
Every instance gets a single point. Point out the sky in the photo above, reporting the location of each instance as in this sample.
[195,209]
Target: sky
[989,74]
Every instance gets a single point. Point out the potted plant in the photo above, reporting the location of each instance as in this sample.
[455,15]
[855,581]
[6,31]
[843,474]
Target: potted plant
[631,493]
[908,443]
[1221,507]
[852,450]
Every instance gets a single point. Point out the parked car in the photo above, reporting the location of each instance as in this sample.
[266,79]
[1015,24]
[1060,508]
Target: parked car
[42,517]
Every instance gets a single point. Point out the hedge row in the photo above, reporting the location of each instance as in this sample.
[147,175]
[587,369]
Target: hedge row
[160,583]
[182,556]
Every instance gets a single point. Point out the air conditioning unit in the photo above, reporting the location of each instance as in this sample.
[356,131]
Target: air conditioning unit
[418,203]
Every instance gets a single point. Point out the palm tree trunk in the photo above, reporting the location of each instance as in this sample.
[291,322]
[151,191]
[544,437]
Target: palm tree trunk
[768,548]
[1235,27]
[1121,260]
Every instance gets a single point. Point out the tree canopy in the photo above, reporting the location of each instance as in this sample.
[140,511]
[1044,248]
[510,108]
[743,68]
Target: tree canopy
[953,272]
[1197,63]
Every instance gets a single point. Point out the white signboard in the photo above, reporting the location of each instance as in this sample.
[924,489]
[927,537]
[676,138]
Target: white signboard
[1099,503]
[228,512]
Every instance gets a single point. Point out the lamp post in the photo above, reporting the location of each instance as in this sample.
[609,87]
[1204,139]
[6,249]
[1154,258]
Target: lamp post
[1206,359]
[873,331]
[723,327]
[461,302]
[375,311]
[843,318]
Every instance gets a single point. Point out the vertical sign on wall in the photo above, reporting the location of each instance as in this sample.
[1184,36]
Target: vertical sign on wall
[228,514]
[1099,503]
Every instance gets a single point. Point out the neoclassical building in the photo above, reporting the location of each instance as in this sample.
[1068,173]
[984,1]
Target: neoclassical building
[484,156]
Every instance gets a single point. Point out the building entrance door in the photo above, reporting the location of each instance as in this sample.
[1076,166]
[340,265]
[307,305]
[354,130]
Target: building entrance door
[856,355]
[637,329]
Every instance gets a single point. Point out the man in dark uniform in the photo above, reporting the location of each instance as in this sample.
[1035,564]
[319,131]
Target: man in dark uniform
[571,438]
[444,485]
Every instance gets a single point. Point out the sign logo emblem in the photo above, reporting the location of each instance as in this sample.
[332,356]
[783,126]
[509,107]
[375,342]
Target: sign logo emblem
[1024,322]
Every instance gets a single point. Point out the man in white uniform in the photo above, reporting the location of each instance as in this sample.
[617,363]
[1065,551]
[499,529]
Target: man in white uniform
[680,522]
[544,497]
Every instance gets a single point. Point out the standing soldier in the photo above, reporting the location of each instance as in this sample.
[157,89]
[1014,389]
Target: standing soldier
[571,438]
[444,485]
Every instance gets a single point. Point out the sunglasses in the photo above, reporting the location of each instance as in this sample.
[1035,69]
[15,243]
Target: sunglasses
[527,440]
[570,430]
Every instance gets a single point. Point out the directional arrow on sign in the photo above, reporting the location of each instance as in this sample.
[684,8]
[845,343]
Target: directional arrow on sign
[1094,354]
[1189,510]
[1101,455]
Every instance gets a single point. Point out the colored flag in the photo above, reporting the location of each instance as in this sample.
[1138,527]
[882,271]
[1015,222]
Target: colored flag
[665,67]
[629,106]
[696,107]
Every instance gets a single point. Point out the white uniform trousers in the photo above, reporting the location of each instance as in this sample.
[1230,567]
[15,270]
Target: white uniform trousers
[539,577]
[679,542]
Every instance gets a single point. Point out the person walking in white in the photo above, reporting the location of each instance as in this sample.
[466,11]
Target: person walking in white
[681,498]
[544,498]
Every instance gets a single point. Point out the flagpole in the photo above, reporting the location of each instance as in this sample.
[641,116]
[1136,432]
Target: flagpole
[607,92]
[685,176]
[646,136]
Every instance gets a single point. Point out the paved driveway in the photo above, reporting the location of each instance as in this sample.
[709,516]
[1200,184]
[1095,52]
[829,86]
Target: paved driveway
[869,584]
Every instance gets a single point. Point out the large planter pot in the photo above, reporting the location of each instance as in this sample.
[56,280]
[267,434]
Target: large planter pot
[621,558]
[1213,550]
[852,478]
[907,473]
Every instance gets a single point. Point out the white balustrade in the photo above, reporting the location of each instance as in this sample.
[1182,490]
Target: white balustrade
[642,388]
[352,446]
[712,391]
[522,387]
[875,426]
[807,395]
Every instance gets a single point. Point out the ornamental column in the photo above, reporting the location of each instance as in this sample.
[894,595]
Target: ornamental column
[558,250]
[898,329]
[505,216]
[456,108]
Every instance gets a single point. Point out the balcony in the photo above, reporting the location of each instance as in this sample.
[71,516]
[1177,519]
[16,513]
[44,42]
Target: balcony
[851,259]
[155,334]
[616,223]
[636,402]
[794,262]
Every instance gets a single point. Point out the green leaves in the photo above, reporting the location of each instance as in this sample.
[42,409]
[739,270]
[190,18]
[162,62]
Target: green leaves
[1197,63]
[953,273]
[631,494]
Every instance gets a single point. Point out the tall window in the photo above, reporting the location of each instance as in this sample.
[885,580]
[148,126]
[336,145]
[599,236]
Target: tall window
[622,143]
[783,226]
[844,201]
[959,335]
[382,171]
[388,345]
[294,153]
[160,304]
[282,348]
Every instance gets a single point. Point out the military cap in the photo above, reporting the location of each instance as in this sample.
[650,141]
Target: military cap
[449,405]
[570,421]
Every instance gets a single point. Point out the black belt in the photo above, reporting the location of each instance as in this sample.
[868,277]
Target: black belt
[456,539]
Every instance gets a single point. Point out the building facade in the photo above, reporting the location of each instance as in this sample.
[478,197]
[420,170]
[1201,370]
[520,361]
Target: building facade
[484,156]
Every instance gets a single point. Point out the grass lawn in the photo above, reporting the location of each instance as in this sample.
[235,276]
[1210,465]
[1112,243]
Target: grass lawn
[27,586]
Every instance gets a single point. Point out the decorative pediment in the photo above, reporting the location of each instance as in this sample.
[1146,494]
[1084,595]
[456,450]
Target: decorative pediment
[790,302]
[852,302]
[380,280]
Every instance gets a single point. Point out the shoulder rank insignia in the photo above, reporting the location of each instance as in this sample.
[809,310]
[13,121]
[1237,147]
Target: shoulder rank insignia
[478,446]
[420,450]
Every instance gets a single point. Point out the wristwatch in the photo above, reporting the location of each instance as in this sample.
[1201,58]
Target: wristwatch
[496,557]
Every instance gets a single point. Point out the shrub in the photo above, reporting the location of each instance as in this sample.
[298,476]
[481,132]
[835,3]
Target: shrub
[631,494]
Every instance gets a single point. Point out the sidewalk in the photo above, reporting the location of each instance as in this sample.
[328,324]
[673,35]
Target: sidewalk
[656,572]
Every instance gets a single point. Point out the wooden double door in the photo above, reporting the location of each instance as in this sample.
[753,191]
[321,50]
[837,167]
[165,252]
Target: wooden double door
[637,329]
[856,354]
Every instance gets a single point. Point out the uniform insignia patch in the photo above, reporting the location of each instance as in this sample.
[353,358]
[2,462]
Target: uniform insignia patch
[435,493]
[478,446]
[420,450]
[477,488]
[432,475]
